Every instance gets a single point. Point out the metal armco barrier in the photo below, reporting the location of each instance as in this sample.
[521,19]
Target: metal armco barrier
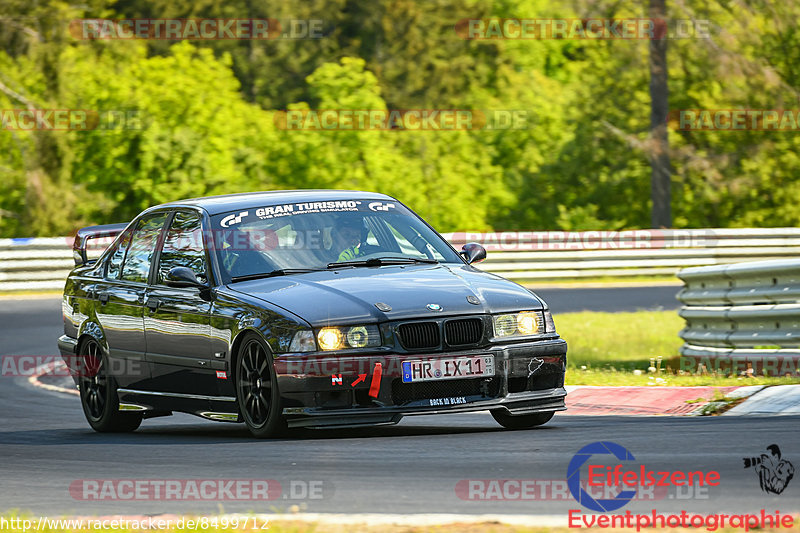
[742,316]
[562,255]
[34,264]
[43,263]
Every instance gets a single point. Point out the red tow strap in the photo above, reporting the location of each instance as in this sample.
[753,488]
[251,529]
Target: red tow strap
[375,385]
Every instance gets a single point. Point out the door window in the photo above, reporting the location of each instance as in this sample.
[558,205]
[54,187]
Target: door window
[114,262]
[183,247]
[143,243]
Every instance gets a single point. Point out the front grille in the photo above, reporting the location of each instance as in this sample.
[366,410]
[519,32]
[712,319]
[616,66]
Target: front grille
[463,332]
[418,335]
[403,393]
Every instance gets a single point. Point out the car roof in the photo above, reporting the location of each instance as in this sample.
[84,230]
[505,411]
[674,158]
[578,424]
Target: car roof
[230,202]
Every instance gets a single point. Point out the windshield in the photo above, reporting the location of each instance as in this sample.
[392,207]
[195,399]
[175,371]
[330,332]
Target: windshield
[313,235]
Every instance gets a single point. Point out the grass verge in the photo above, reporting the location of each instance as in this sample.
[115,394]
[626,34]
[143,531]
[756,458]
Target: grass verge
[624,349]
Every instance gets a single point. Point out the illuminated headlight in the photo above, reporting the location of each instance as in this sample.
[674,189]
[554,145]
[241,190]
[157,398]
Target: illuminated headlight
[329,338]
[518,324]
[303,341]
[348,337]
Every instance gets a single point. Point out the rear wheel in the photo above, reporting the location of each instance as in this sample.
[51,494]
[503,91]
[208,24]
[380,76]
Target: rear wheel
[510,421]
[98,391]
[257,389]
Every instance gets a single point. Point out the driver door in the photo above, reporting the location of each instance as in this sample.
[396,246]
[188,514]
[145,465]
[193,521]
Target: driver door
[177,320]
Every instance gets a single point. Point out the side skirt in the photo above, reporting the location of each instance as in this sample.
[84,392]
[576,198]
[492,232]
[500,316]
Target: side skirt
[152,403]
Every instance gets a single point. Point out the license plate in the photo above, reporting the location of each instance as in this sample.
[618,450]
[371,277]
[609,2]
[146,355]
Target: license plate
[448,368]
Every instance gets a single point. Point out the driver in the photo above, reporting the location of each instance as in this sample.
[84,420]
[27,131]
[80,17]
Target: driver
[349,231]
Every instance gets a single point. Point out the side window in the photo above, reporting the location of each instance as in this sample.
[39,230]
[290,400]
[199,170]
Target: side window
[114,262]
[140,251]
[183,246]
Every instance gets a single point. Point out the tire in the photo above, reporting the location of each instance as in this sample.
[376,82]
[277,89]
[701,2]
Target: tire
[509,421]
[257,389]
[98,392]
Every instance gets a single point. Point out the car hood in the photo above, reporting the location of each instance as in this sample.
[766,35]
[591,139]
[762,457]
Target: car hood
[348,296]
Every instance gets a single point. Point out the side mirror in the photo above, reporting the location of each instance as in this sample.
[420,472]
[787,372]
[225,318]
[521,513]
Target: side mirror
[182,277]
[473,252]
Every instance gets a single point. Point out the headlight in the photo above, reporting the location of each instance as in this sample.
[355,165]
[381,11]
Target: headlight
[528,323]
[505,325]
[348,337]
[303,341]
[329,338]
[518,324]
[357,337]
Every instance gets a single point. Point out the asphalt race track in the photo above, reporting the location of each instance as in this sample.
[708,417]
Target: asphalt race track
[612,299]
[415,467]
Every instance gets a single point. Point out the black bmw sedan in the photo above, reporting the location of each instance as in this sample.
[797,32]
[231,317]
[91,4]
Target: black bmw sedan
[301,309]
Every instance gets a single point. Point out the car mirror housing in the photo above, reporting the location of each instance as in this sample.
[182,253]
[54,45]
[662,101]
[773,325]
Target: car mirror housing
[182,277]
[473,252]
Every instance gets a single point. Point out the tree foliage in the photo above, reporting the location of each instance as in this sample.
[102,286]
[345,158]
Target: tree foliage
[200,117]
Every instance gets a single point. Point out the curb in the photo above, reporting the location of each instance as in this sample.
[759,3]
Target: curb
[585,400]
[48,368]
[641,401]
[780,400]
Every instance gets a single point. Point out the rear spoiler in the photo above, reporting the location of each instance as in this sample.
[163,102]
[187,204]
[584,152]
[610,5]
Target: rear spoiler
[107,231]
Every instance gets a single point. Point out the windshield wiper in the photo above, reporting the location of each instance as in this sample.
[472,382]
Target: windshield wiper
[381,261]
[273,273]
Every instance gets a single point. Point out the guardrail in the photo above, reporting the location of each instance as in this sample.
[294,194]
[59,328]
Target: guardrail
[559,255]
[34,264]
[742,318]
[43,263]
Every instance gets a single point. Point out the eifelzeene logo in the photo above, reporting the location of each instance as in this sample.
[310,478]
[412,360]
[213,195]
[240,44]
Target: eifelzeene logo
[774,473]
[617,477]
[574,476]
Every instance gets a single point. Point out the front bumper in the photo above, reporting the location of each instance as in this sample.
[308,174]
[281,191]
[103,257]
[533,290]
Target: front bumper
[340,391]
[67,346]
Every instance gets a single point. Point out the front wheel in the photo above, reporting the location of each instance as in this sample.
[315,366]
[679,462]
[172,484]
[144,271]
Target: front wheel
[98,390]
[510,421]
[257,389]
